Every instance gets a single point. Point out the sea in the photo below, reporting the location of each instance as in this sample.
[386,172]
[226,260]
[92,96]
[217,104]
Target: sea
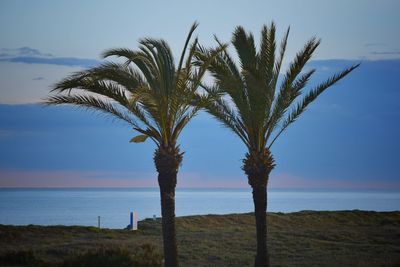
[83,206]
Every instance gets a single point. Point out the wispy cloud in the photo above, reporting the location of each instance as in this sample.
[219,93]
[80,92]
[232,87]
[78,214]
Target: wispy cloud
[75,179]
[40,78]
[30,55]
[22,51]
[288,181]
[375,44]
[5,134]
[394,52]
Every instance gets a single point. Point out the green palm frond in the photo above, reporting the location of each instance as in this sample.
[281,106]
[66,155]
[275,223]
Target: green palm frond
[275,71]
[123,75]
[233,84]
[91,102]
[249,100]
[221,111]
[266,57]
[225,57]
[119,52]
[213,54]
[287,94]
[189,36]
[141,59]
[245,48]
[146,90]
[285,100]
[159,53]
[309,98]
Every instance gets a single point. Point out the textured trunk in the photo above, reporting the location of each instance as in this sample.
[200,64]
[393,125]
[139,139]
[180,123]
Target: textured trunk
[260,212]
[167,161]
[167,194]
[258,166]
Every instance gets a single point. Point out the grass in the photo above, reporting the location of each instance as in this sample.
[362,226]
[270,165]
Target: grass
[307,238]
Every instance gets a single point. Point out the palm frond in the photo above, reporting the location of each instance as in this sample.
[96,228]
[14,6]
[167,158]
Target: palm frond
[245,48]
[182,122]
[189,36]
[161,55]
[231,84]
[142,59]
[92,85]
[146,90]
[287,94]
[309,98]
[213,54]
[118,52]
[279,61]
[228,60]
[266,56]
[221,111]
[247,99]
[121,74]
[91,103]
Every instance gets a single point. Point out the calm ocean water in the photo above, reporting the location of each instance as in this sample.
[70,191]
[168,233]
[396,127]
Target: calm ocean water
[82,206]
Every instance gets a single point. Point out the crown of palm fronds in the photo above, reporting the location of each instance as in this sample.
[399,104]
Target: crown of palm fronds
[249,99]
[146,90]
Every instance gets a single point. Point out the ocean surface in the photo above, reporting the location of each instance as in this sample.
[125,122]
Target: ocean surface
[83,206]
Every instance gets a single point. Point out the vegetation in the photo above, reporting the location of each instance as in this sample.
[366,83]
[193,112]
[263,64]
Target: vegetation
[144,256]
[250,100]
[155,98]
[21,258]
[307,238]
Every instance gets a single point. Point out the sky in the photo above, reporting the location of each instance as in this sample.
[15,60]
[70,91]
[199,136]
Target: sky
[347,139]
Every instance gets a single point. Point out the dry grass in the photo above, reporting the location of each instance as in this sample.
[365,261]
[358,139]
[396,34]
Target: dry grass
[308,238]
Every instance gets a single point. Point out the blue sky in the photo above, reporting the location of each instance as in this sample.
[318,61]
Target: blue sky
[348,139]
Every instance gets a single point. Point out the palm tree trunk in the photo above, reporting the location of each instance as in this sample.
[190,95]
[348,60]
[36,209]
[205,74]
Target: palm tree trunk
[167,161]
[167,182]
[258,166]
[260,212]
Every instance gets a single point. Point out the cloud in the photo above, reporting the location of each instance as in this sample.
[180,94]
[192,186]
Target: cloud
[61,61]
[96,178]
[22,51]
[40,78]
[74,179]
[33,56]
[386,52]
[5,134]
[288,181]
[375,44]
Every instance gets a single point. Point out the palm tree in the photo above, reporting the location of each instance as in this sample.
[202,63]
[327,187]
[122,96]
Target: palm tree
[258,105]
[155,98]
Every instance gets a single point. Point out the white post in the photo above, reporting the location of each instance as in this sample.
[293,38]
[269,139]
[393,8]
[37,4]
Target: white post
[134,221]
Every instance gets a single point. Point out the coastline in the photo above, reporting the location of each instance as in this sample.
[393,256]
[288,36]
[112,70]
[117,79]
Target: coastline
[83,206]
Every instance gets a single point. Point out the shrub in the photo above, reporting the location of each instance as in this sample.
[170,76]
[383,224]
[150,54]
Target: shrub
[147,256]
[143,256]
[21,258]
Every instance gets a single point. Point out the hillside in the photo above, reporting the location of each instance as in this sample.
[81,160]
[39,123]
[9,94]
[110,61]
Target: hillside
[307,238]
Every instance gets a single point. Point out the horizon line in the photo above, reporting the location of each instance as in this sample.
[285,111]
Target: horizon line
[200,188]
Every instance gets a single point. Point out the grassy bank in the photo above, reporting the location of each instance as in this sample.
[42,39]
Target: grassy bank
[308,238]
